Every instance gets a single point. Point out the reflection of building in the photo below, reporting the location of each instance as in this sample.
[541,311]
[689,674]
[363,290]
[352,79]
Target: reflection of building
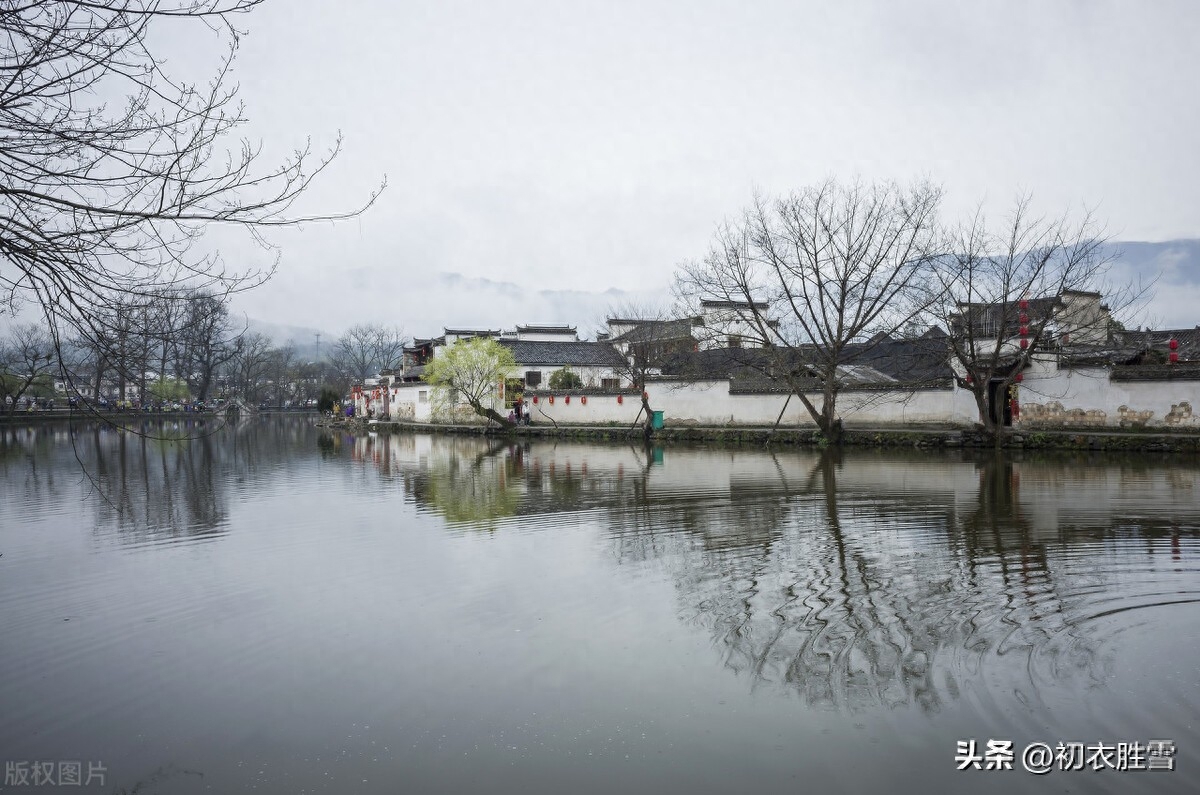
[878,579]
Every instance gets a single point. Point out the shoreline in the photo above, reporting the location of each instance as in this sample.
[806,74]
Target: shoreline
[1114,439]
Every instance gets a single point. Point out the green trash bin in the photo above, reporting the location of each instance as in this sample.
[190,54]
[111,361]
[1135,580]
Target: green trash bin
[656,420]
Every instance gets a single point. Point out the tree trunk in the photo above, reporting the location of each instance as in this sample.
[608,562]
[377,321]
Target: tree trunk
[492,414]
[830,424]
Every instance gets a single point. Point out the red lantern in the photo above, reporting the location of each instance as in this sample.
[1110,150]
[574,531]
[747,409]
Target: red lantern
[1173,344]
[1024,331]
[535,400]
[1024,318]
[969,379]
[1019,377]
[1024,344]
[583,399]
[1173,358]
[645,396]
[567,399]
[1024,304]
[620,399]
[551,399]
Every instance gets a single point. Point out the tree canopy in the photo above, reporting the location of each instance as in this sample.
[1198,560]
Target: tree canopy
[473,370]
[809,278]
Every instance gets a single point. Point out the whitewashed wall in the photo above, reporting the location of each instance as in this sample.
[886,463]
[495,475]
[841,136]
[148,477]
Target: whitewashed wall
[1088,390]
[710,403]
[1048,396]
[591,376]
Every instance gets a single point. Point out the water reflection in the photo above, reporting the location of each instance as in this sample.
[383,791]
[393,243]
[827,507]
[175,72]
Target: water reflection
[440,611]
[877,579]
[149,482]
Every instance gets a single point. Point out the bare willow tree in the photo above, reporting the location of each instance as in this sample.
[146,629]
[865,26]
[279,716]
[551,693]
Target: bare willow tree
[111,169]
[813,280]
[1011,291]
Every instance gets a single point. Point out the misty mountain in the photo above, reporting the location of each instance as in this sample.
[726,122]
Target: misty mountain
[310,343]
[1172,269]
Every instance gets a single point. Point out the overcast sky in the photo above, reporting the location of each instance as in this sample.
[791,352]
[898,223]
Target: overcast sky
[539,154]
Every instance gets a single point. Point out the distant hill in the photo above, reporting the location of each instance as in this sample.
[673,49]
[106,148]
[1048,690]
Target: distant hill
[454,300]
[1174,268]
[303,338]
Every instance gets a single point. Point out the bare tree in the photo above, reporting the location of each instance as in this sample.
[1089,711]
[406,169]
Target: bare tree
[27,357]
[250,365]
[284,374]
[208,341]
[102,201]
[810,281]
[367,348]
[649,339]
[1028,286]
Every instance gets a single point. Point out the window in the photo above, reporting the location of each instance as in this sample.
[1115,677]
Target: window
[423,396]
[735,341]
[533,378]
[612,384]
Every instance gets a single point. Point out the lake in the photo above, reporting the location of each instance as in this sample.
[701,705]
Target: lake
[270,607]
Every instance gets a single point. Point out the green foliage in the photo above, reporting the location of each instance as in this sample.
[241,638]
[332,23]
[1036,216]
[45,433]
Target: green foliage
[327,399]
[471,369]
[565,378]
[169,389]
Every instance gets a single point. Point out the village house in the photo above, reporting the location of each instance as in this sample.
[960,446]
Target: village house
[539,351]
[1086,370]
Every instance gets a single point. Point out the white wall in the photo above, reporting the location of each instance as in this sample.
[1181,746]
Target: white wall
[1089,389]
[591,376]
[710,403]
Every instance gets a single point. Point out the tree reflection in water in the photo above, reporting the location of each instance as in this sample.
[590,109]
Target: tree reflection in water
[879,580]
[153,481]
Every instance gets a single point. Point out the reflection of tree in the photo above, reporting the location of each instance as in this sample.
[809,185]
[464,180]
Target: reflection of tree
[855,601]
[878,580]
[477,487]
[160,479]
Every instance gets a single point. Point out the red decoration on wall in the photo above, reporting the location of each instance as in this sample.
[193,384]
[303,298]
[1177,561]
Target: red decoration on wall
[1024,331]
[1024,344]
[1173,344]
[620,399]
[535,400]
[1019,377]
[551,399]
[1173,358]
[1024,318]
[583,399]
[567,399]
[1024,304]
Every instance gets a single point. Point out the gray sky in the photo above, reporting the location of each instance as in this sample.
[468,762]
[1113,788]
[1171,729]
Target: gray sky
[540,153]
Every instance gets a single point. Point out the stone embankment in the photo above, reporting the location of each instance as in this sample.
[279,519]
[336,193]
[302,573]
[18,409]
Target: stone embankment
[1179,441]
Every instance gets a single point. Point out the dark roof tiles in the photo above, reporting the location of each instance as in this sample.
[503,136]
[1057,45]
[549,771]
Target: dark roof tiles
[574,354]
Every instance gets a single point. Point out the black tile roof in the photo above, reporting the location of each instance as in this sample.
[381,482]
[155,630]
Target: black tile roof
[908,361]
[575,354]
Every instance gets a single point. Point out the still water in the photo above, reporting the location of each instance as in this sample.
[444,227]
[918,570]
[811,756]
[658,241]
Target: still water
[271,608]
